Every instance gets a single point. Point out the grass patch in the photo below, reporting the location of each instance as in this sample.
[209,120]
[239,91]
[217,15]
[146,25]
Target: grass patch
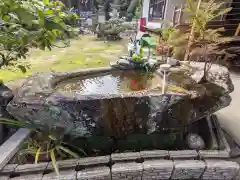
[95,50]
[84,52]
[80,62]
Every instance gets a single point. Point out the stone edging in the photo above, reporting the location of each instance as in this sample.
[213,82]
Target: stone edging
[186,164]
[96,169]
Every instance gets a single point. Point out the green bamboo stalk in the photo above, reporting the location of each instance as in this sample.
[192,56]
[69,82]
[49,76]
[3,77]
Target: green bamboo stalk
[191,38]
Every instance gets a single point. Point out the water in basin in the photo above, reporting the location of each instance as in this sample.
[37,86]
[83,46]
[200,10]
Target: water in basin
[110,83]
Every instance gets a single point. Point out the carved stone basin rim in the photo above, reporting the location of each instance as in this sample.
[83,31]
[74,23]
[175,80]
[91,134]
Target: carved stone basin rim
[120,114]
[43,86]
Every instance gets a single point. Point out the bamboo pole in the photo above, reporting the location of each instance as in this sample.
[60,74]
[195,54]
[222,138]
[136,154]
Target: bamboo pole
[69,4]
[180,15]
[174,15]
[191,38]
[237,30]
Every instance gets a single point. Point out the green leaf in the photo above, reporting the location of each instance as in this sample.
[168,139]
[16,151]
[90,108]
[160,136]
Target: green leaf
[48,12]
[37,155]
[12,122]
[26,22]
[225,11]
[68,151]
[190,5]
[187,10]
[75,147]
[22,68]
[13,16]
[52,137]
[46,2]
[60,152]
[54,162]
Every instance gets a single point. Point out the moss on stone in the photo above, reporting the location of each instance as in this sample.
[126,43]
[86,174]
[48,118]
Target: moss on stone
[177,89]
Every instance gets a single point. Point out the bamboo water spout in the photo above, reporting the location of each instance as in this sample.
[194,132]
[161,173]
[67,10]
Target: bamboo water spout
[164,70]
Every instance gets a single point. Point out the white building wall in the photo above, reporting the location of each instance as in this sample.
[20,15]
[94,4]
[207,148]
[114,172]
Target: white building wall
[145,9]
[170,4]
[145,14]
[169,8]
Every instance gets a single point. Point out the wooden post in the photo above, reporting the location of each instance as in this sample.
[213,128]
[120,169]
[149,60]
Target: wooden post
[69,4]
[237,30]
[10,147]
[79,6]
[180,14]
[191,38]
[174,15]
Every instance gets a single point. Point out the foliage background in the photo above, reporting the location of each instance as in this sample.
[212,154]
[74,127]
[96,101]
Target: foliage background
[32,23]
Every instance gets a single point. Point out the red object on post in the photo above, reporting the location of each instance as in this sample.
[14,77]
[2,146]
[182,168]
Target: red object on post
[141,24]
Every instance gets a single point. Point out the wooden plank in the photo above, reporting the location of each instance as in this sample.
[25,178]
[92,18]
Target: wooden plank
[12,146]
[188,169]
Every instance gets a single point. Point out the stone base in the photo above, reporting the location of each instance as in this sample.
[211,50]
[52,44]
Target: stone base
[158,169]
[143,165]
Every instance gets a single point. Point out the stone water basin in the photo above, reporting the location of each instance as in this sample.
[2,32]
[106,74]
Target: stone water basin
[114,82]
[110,102]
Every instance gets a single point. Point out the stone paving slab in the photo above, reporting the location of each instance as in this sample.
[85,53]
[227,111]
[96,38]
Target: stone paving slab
[128,171]
[131,156]
[64,164]
[25,168]
[188,169]
[4,177]
[64,175]
[96,173]
[154,154]
[217,169]
[157,169]
[9,168]
[29,177]
[186,154]
[93,160]
[213,154]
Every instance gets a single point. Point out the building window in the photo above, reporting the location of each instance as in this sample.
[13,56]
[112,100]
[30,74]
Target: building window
[85,5]
[156,10]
